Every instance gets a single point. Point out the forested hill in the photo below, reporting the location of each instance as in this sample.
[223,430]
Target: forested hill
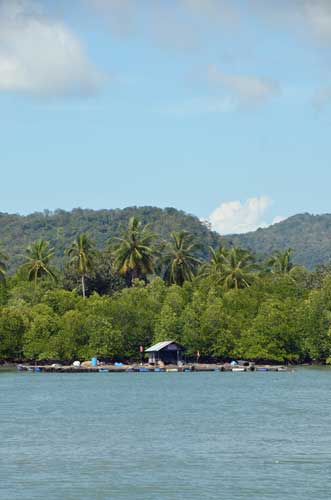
[308,235]
[61,227]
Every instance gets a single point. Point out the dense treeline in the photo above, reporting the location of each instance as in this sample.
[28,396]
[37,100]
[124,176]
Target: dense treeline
[140,289]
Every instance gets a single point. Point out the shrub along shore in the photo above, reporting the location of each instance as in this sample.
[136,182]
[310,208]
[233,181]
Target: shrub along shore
[140,290]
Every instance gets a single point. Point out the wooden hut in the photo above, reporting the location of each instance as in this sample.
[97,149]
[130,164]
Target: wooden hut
[169,352]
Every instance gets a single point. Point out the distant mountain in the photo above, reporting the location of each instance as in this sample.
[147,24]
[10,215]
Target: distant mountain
[61,227]
[308,235]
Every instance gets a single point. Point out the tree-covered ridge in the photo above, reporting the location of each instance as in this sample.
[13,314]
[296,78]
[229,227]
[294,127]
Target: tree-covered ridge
[309,235]
[60,228]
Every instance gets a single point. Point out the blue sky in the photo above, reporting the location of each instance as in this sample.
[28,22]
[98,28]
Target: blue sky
[220,108]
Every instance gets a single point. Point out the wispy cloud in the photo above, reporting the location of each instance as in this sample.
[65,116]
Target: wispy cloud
[41,56]
[237,217]
[322,98]
[179,23]
[310,19]
[198,106]
[248,89]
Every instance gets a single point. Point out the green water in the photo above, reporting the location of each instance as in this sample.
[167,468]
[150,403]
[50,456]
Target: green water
[165,436]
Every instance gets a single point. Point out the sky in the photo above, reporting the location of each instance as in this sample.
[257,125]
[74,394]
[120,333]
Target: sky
[220,108]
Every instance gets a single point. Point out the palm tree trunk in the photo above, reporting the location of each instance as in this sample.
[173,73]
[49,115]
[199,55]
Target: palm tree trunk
[83,286]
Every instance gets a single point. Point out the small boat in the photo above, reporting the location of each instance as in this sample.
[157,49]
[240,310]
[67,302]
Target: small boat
[262,369]
[187,370]
[37,369]
[159,370]
[144,370]
[21,368]
[103,370]
[238,369]
[172,369]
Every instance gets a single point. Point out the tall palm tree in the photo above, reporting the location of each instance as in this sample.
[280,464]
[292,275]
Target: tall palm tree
[281,262]
[134,256]
[238,269]
[215,266]
[81,253]
[38,257]
[181,263]
[3,265]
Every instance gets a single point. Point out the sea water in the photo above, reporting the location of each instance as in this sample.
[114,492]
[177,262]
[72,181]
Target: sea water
[164,436]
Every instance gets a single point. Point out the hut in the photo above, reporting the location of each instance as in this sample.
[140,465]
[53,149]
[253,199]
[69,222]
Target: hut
[167,352]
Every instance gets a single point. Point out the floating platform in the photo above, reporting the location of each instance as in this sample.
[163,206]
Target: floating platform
[153,369]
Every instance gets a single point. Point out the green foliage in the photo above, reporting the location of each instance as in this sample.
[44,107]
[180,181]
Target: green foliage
[82,253]
[238,269]
[37,341]
[3,265]
[309,236]
[134,256]
[60,301]
[317,322]
[169,324]
[60,228]
[229,307]
[13,324]
[38,258]
[180,260]
[274,319]
[274,333]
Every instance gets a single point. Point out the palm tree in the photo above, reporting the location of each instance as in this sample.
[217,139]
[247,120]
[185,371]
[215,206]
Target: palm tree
[215,266]
[3,265]
[238,269]
[281,262]
[38,257]
[134,257]
[82,252]
[181,263]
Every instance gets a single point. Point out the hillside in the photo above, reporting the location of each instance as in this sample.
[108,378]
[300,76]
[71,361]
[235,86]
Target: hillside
[309,235]
[61,227]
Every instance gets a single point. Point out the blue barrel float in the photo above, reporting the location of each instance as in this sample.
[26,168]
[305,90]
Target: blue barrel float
[94,361]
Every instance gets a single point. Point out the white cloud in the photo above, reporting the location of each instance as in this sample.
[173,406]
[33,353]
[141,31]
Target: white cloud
[41,56]
[236,217]
[248,89]
[277,219]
